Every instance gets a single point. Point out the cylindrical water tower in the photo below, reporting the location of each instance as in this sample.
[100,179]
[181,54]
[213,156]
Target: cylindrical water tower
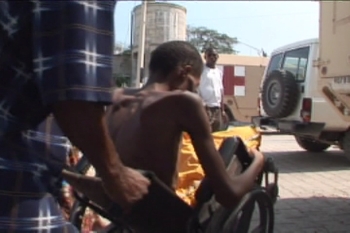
[164,22]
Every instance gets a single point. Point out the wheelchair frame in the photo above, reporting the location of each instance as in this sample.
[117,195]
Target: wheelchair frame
[207,216]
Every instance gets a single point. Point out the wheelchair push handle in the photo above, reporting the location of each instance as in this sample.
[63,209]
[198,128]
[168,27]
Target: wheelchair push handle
[242,153]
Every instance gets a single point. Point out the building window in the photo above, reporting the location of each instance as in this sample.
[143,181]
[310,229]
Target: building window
[159,17]
[170,26]
[166,33]
[176,26]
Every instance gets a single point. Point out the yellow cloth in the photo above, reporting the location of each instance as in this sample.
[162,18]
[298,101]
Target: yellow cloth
[190,171]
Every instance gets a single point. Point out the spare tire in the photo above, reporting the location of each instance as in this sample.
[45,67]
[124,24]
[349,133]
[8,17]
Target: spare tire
[280,94]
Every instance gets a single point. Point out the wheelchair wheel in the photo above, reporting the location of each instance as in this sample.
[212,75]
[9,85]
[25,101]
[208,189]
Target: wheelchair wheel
[239,219]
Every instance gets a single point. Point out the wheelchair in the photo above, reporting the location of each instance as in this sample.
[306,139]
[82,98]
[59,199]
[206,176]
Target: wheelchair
[163,211]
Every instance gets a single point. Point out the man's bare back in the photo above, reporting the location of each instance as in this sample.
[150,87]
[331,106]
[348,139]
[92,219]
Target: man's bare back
[144,131]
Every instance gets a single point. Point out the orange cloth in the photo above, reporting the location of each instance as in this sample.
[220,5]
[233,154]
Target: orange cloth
[190,171]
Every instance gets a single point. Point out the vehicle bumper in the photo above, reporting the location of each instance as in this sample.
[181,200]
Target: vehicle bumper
[293,127]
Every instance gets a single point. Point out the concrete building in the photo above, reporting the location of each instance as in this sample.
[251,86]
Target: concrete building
[121,65]
[165,22]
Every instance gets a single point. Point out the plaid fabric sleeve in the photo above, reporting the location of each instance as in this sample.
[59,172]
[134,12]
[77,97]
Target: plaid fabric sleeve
[72,50]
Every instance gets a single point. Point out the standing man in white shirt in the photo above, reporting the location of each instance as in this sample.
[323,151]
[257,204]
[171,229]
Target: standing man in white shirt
[211,90]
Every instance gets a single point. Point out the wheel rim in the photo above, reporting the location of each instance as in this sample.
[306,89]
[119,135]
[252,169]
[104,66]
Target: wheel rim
[242,220]
[273,93]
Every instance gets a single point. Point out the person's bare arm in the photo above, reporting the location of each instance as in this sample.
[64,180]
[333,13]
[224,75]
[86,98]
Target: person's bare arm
[227,190]
[84,124]
[76,95]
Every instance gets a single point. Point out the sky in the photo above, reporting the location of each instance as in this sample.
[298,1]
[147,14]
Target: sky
[259,24]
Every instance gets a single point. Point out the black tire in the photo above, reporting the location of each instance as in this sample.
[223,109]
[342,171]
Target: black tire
[311,145]
[345,144]
[284,104]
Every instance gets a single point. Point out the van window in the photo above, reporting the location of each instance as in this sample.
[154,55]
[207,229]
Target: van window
[295,61]
[275,62]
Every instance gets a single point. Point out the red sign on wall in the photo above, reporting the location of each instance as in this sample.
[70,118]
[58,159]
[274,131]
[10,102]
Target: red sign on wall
[230,80]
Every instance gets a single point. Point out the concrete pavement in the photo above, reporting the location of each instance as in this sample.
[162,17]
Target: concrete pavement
[314,188]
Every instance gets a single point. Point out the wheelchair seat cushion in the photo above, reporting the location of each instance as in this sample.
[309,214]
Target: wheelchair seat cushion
[190,171]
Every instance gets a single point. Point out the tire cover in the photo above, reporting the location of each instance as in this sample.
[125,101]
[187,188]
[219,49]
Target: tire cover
[280,94]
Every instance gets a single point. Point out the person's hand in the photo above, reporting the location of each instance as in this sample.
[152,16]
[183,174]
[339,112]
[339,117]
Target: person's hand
[127,188]
[256,155]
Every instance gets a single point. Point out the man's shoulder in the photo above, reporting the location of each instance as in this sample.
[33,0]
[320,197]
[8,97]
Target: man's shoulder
[171,109]
[179,97]
[185,97]
[206,70]
[218,70]
[120,93]
[174,101]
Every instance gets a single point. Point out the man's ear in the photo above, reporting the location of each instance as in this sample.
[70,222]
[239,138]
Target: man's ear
[186,70]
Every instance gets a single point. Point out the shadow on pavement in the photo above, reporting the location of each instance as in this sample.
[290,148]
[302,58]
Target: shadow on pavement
[302,161]
[315,214]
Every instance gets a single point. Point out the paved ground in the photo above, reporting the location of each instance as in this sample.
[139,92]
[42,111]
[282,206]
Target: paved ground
[314,188]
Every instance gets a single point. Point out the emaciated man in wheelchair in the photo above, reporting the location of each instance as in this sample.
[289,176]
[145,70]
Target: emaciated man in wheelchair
[147,124]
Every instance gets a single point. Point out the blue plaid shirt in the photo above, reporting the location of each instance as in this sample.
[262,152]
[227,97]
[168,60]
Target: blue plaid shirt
[50,51]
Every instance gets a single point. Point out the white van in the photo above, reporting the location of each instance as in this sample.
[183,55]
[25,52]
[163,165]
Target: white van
[291,101]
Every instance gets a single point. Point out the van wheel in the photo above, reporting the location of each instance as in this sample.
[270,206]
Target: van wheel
[345,144]
[280,94]
[311,145]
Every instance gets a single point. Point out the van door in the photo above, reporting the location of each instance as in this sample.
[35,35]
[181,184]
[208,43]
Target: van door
[275,63]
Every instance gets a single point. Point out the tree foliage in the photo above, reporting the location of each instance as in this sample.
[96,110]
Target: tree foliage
[122,80]
[203,38]
[119,48]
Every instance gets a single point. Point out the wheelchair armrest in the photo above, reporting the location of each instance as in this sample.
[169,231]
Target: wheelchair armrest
[227,150]
[242,154]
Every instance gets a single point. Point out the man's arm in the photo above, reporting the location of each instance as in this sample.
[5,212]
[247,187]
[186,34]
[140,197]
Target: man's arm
[70,86]
[85,125]
[72,58]
[227,190]
[222,104]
